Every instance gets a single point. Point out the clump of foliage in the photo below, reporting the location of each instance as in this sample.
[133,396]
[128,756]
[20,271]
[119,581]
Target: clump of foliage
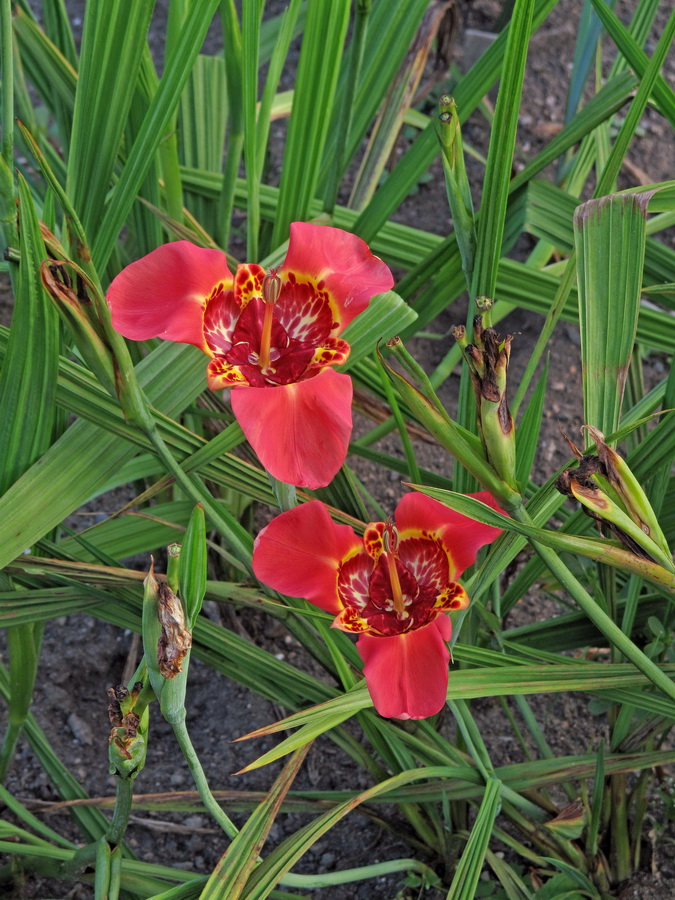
[105,160]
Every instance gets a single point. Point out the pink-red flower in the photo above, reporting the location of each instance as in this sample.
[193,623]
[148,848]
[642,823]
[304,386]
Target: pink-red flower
[393,587]
[272,336]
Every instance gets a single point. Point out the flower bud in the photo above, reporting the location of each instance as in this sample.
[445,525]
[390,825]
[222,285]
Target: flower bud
[488,361]
[127,742]
[610,494]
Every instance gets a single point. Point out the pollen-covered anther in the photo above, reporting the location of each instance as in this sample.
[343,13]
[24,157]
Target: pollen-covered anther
[271,287]
[390,537]
[271,291]
[390,545]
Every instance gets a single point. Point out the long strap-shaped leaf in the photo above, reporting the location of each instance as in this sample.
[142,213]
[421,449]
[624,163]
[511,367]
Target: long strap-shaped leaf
[161,109]
[610,243]
[500,154]
[228,879]
[314,95]
[27,419]
[70,472]
[28,380]
[468,871]
[112,42]
[470,91]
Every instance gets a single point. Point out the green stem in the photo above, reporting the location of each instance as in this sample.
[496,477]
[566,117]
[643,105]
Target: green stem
[413,468]
[123,801]
[227,525]
[599,618]
[209,801]
[620,848]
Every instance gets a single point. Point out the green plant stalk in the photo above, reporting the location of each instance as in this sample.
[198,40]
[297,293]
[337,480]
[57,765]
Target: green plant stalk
[457,184]
[115,873]
[464,446]
[413,368]
[124,789]
[358,44]
[607,577]
[413,468]
[177,722]
[640,810]
[595,806]
[472,738]
[102,877]
[170,693]
[600,619]
[285,493]
[566,282]
[620,853]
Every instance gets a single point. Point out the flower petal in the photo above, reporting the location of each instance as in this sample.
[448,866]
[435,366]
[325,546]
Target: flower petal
[299,553]
[342,261]
[461,536]
[299,431]
[407,674]
[164,293]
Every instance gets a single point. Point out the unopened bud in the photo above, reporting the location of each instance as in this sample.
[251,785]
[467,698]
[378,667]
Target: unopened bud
[601,494]
[629,490]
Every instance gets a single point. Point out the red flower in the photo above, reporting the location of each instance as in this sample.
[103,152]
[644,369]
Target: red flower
[393,587]
[264,330]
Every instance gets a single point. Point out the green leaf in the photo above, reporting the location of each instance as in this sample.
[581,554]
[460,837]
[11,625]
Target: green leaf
[113,38]
[315,87]
[228,879]
[28,376]
[528,430]
[192,577]
[500,153]
[470,865]
[152,132]
[610,240]
[69,473]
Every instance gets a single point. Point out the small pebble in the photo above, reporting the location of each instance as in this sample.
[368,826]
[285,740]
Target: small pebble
[573,335]
[81,731]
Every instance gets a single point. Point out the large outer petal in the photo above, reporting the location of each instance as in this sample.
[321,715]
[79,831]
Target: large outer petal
[342,260]
[407,675]
[164,293]
[299,554]
[299,431]
[462,537]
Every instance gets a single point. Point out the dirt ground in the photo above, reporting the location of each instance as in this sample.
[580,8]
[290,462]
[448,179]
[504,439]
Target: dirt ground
[82,657]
